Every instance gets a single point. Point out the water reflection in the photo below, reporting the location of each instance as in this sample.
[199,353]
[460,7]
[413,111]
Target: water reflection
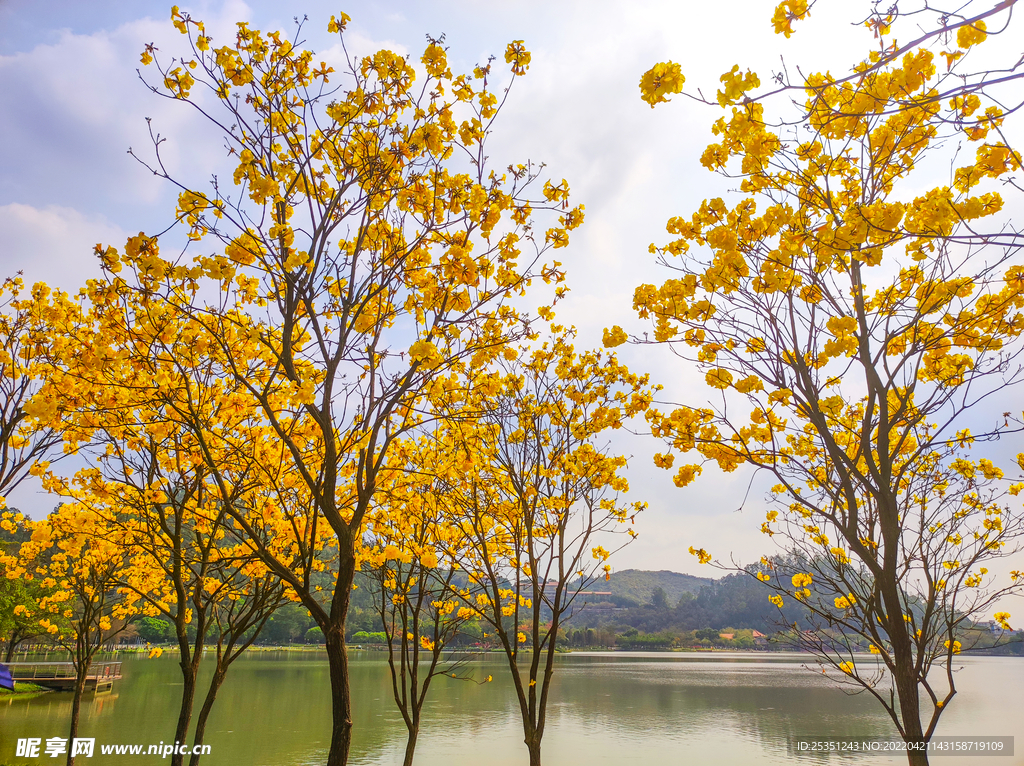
[605,709]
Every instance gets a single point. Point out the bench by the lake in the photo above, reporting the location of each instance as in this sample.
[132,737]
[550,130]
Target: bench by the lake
[61,675]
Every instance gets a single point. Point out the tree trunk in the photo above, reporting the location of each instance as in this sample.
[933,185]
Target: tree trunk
[17,636]
[341,698]
[917,758]
[534,747]
[204,714]
[76,709]
[410,745]
[904,671]
[188,695]
[910,713]
[904,674]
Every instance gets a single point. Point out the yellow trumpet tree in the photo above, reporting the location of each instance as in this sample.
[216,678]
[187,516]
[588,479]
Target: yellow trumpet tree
[135,390]
[19,602]
[853,318]
[411,553]
[535,493]
[20,613]
[184,563]
[71,552]
[27,345]
[365,246]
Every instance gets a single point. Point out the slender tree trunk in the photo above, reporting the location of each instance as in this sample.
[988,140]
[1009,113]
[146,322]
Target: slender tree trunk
[341,697]
[910,712]
[337,655]
[410,744]
[204,713]
[533,744]
[188,694]
[17,636]
[904,675]
[76,706]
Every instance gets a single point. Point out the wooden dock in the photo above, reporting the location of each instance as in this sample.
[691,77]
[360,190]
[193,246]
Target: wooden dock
[61,675]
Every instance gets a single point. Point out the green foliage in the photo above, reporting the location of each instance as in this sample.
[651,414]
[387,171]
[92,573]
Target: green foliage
[288,625]
[314,636]
[636,641]
[18,536]
[639,585]
[589,638]
[737,600]
[362,637]
[981,640]
[154,630]
[659,599]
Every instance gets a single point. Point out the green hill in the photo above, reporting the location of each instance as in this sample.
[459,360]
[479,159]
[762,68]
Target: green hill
[638,585]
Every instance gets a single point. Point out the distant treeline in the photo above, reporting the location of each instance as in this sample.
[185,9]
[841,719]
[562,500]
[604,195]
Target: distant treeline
[735,600]
[728,612]
[634,610]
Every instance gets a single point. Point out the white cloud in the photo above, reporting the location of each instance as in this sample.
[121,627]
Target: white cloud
[52,244]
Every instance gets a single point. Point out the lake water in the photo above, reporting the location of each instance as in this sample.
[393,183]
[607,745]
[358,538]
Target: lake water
[606,708]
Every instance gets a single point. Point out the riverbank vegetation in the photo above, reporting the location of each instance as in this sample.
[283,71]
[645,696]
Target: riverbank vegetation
[733,605]
[22,689]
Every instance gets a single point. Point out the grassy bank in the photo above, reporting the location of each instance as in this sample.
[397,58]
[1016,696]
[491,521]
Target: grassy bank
[23,689]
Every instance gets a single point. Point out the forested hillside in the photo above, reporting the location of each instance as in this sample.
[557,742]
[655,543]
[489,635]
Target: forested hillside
[735,600]
[636,587]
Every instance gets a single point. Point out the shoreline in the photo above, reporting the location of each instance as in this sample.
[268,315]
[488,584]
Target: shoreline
[23,689]
[312,648]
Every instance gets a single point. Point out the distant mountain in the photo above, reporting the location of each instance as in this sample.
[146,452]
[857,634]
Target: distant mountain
[638,585]
[736,600]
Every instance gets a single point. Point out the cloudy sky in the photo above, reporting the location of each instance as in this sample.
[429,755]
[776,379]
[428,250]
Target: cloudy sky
[71,105]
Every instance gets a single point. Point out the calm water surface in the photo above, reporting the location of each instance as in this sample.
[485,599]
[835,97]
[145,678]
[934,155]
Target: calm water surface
[618,708]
